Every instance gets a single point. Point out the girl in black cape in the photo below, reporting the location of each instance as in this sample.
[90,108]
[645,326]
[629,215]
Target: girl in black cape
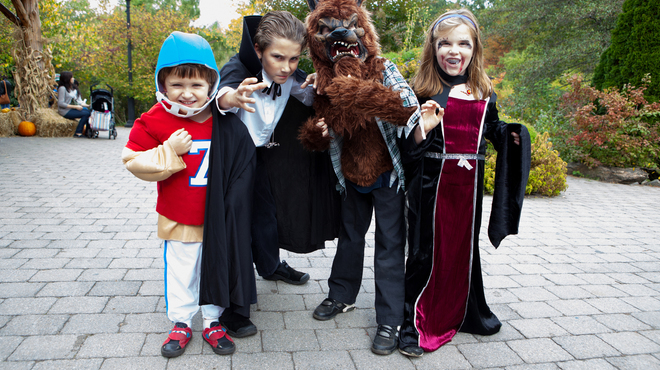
[445,168]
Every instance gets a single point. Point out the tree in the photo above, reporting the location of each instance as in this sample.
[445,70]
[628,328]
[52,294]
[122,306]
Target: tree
[34,76]
[635,49]
[555,36]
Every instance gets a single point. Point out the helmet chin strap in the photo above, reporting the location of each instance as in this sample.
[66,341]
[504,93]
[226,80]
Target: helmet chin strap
[176,108]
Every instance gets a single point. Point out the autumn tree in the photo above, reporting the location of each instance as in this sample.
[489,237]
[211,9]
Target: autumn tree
[34,75]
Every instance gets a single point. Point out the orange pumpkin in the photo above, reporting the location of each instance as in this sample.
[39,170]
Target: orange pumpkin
[27,128]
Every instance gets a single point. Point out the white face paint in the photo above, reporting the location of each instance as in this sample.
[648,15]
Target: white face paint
[454,50]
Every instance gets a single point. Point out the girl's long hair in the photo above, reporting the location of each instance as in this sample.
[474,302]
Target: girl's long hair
[65,80]
[427,81]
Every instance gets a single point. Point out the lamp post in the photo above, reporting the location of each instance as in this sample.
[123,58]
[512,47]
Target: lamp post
[130,116]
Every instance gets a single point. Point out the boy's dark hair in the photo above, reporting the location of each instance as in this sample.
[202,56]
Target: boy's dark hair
[189,70]
[280,24]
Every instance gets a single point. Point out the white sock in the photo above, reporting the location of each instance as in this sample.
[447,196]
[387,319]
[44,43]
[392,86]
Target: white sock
[208,322]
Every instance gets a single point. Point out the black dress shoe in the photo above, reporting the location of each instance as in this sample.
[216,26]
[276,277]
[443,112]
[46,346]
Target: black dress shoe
[385,340]
[411,350]
[238,326]
[329,308]
[287,274]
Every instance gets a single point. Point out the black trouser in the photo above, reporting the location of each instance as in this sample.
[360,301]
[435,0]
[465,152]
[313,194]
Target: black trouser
[265,246]
[346,276]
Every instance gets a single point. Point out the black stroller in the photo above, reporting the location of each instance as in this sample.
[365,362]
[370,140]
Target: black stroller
[103,112]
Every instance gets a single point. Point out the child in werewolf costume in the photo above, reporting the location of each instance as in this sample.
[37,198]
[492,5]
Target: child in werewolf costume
[363,104]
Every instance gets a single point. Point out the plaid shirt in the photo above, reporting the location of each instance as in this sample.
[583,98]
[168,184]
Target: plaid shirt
[391,78]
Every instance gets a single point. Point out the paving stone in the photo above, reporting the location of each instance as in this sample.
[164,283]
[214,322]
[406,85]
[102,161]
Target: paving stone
[34,325]
[299,340]
[16,290]
[537,328]
[580,325]
[131,305]
[8,345]
[649,318]
[144,274]
[281,302]
[20,365]
[65,289]
[146,323]
[123,345]
[59,347]
[26,306]
[621,322]
[89,364]
[530,294]
[531,310]
[93,324]
[135,363]
[73,305]
[594,364]
[102,275]
[603,291]
[569,292]
[199,362]
[343,339]
[319,360]
[485,355]
[630,343]
[153,287]
[114,288]
[446,357]
[305,320]
[611,305]
[539,350]
[56,275]
[16,276]
[586,346]
[640,362]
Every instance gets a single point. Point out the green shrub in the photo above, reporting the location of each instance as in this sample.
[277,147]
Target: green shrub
[613,127]
[547,175]
[633,51]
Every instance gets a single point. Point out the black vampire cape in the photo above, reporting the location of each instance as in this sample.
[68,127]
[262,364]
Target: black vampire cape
[513,165]
[227,274]
[302,182]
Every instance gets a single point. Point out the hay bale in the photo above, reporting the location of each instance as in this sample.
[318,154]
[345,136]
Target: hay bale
[16,117]
[50,124]
[6,125]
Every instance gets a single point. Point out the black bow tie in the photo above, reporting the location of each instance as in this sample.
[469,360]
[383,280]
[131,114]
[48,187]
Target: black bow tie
[275,88]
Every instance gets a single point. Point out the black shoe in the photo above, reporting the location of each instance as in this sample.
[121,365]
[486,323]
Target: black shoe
[411,351]
[238,326]
[287,274]
[329,308]
[385,341]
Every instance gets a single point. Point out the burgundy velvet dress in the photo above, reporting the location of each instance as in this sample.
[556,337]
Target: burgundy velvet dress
[444,287]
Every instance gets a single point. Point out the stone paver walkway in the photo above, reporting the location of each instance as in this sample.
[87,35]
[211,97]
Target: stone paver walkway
[81,280]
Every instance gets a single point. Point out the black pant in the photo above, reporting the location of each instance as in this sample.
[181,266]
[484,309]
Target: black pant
[346,276]
[265,245]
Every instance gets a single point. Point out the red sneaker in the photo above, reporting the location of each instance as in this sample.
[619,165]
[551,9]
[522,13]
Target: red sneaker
[217,337]
[176,341]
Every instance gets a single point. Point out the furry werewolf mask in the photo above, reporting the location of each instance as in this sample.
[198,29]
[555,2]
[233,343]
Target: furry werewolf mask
[340,32]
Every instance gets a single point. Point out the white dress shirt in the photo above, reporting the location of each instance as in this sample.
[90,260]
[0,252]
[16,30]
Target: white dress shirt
[263,121]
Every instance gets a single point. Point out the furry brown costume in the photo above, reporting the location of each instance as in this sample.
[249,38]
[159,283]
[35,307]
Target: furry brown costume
[349,74]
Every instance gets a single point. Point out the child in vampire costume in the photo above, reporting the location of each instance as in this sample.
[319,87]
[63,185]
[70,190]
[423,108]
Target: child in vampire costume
[363,105]
[295,204]
[207,255]
[445,170]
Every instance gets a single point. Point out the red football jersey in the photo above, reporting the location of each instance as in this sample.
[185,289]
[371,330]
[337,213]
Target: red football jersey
[181,197]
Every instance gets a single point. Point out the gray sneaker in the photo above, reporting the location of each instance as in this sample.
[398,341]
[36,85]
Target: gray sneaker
[385,341]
